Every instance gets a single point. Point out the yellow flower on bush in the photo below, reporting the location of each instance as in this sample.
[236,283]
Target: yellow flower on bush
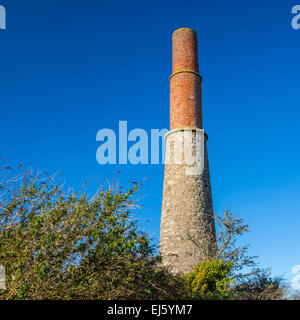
[210,280]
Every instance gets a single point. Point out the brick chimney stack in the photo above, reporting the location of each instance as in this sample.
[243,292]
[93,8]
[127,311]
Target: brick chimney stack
[185,82]
[187,233]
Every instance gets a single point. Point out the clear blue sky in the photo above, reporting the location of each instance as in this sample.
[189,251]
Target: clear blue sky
[71,68]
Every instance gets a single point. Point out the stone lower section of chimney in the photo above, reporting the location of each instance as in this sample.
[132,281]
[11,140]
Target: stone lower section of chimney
[187,234]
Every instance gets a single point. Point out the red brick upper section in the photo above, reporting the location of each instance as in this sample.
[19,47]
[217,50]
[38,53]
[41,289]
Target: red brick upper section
[185,87]
[185,50]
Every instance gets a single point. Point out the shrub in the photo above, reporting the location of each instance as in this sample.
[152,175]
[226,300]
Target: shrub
[69,245]
[210,280]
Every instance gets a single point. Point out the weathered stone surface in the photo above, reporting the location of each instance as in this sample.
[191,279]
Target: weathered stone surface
[187,234]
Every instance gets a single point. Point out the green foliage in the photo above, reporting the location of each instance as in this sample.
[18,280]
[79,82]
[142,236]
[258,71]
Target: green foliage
[230,228]
[251,282]
[210,280]
[259,285]
[57,245]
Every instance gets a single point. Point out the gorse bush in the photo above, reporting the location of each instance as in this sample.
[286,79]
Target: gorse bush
[57,245]
[210,280]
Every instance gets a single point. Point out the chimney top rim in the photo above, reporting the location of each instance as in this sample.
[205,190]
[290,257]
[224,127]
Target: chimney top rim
[185,29]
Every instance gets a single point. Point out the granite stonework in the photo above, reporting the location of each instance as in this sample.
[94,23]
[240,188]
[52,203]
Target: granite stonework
[187,234]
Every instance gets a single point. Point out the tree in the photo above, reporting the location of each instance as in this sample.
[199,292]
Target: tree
[233,273]
[229,229]
[261,286]
[57,244]
[253,284]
